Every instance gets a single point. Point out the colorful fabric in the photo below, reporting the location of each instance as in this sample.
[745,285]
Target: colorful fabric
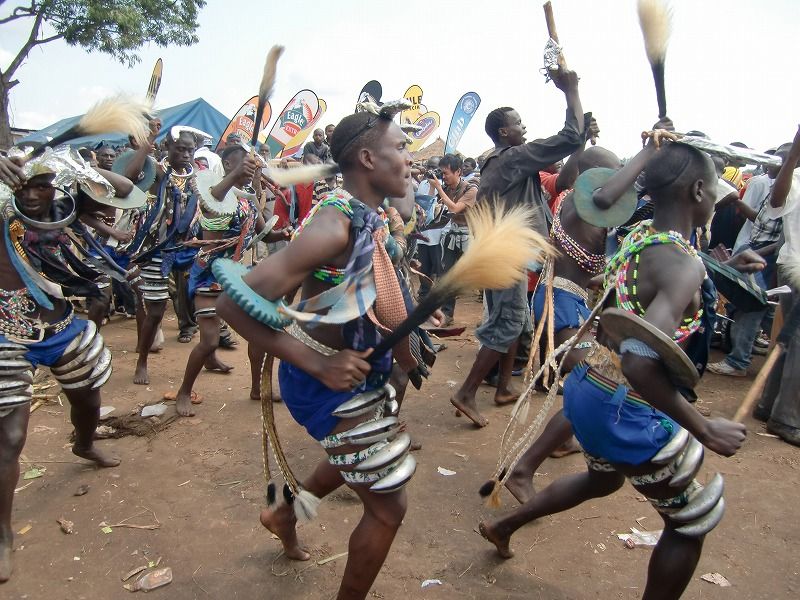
[347,303]
[612,422]
[552,196]
[242,225]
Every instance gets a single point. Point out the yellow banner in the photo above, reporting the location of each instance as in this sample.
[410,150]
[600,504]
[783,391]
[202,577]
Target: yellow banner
[429,123]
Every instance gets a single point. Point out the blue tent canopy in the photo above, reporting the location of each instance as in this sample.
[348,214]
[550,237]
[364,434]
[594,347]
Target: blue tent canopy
[197,113]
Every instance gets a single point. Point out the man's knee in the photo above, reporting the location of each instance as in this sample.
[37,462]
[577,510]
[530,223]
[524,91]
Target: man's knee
[12,438]
[606,483]
[391,511]
[155,310]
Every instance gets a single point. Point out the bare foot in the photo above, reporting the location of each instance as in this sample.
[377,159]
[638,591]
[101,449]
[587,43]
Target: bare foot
[183,404]
[505,397]
[6,565]
[215,365]
[501,543]
[96,456]
[140,377]
[469,408]
[521,486]
[281,521]
[571,447]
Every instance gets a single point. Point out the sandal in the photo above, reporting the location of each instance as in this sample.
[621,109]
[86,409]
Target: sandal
[185,337]
[196,398]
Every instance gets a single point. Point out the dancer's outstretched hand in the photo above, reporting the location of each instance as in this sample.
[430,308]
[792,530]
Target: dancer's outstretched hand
[11,173]
[723,436]
[345,370]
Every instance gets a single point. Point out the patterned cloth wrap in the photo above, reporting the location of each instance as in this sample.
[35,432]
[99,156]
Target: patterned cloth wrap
[309,401]
[242,225]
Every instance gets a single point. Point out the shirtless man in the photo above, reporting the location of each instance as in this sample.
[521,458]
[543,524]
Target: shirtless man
[324,366]
[628,418]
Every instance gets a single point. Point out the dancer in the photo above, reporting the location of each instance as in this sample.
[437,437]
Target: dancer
[228,226]
[37,324]
[511,173]
[626,412]
[327,370]
[167,222]
[581,258]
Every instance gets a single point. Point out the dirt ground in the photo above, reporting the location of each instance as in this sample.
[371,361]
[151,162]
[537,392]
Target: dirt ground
[201,480]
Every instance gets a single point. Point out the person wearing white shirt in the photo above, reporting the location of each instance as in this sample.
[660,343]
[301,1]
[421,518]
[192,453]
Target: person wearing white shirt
[780,404]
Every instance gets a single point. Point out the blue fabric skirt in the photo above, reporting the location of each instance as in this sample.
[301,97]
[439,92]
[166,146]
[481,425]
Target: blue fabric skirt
[612,424]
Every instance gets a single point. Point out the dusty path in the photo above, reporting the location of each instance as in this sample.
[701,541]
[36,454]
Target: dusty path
[201,477]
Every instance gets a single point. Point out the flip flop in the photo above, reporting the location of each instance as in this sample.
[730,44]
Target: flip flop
[196,398]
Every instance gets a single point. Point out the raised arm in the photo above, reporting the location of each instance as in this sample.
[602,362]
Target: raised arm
[623,179]
[136,165]
[569,172]
[783,182]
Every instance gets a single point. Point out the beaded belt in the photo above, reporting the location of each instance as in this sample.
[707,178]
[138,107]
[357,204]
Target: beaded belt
[17,333]
[297,333]
[571,287]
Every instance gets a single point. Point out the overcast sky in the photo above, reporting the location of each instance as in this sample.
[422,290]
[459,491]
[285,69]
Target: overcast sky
[731,67]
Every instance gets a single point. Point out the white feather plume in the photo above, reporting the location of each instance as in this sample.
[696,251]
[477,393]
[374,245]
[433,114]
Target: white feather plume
[304,174]
[655,19]
[270,70]
[116,114]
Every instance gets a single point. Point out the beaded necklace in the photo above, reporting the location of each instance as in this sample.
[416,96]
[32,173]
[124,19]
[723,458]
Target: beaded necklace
[587,261]
[618,267]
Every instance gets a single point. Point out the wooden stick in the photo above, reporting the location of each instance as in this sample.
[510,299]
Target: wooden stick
[754,393]
[551,21]
[551,31]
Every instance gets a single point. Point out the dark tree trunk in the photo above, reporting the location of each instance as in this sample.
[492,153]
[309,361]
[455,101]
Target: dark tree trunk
[6,141]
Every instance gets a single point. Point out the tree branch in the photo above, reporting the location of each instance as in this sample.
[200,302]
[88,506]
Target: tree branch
[52,38]
[23,53]
[18,13]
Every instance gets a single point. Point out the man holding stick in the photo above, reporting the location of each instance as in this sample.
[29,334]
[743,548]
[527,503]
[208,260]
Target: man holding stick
[511,173]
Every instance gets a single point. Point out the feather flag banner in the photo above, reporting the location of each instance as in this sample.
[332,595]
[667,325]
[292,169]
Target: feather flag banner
[294,117]
[296,143]
[462,115]
[243,122]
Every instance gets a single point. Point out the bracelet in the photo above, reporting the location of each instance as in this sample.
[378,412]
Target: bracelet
[229,276]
